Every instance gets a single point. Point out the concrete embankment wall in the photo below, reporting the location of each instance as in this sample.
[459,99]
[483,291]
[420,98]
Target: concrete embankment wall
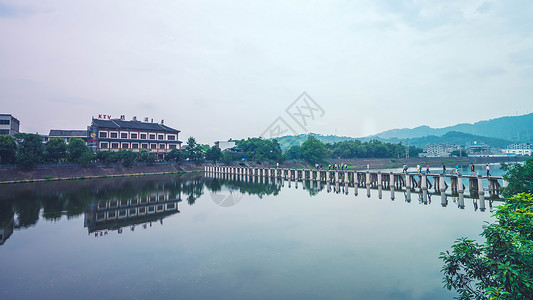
[56,172]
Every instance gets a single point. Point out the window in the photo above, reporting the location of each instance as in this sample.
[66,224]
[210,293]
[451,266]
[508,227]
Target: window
[143,136]
[104,145]
[4,122]
[123,135]
[171,137]
[125,145]
[135,146]
[160,137]
[161,146]
[171,146]
[152,136]
[134,136]
[144,146]
[113,135]
[103,134]
[4,132]
[114,145]
[153,146]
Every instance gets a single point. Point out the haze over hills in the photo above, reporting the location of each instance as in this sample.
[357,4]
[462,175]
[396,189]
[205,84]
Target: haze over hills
[512,128]
[497,132]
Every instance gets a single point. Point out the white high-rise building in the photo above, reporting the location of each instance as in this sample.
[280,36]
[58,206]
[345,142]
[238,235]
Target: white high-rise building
[9,125]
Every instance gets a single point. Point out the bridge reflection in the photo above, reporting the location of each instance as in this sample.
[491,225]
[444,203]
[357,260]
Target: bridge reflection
[313,187]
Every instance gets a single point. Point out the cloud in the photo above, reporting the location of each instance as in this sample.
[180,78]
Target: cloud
[421,16]
[365,62]
[16,11]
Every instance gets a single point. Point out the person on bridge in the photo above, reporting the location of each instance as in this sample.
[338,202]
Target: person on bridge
[472,169]
[427,169]
[488,170]
[443,169]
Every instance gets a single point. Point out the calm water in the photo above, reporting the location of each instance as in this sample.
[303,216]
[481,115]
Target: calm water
[196,237]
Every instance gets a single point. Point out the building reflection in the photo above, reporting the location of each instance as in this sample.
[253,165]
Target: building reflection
[106,204]
[5,231]
[140,210]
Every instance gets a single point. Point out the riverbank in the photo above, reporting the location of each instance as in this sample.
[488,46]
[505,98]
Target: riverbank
[382,163]
[388,163]
[70,172]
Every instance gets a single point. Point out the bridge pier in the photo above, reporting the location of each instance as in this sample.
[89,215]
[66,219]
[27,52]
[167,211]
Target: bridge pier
[442,184]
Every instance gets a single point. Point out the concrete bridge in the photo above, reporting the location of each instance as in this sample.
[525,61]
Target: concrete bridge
[406,182]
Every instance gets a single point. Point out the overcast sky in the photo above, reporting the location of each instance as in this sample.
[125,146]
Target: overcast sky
[228,69]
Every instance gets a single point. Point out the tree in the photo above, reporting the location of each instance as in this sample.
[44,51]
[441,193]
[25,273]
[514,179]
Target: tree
[175,155]
[76,151]
[29,149]
[8,149]
[146,156]
[502,267]
[519,177]
[213,154]
[313,150]
[194,150]
[259,149]
[127,157]
[294,153]
[55,149]
[87,158]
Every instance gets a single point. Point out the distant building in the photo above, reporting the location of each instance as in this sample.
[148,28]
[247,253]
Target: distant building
[479,149]
[518,149]
[9,125]
[119,134]
[439,150]
[223,145]
[67,135]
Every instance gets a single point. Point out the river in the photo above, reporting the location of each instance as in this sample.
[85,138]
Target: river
[198,237]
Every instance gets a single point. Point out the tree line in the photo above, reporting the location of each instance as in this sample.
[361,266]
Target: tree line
[27,150]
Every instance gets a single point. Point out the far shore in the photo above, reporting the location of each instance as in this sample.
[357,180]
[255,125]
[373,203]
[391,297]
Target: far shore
[77,172]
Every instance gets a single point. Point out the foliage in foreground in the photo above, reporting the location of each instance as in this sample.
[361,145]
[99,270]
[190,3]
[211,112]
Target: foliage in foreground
[519,178]
[502,267]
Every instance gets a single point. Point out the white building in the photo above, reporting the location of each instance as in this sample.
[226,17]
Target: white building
[439,150]
[9,125]
[223,145]
[518,149]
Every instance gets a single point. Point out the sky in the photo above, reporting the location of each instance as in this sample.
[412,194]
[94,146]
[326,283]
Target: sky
[235,69]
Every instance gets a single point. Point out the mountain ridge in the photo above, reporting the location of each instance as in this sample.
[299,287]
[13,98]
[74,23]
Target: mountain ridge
[512,128]
[497,132]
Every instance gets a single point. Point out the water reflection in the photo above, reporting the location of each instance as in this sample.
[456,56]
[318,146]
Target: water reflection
[128,203]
